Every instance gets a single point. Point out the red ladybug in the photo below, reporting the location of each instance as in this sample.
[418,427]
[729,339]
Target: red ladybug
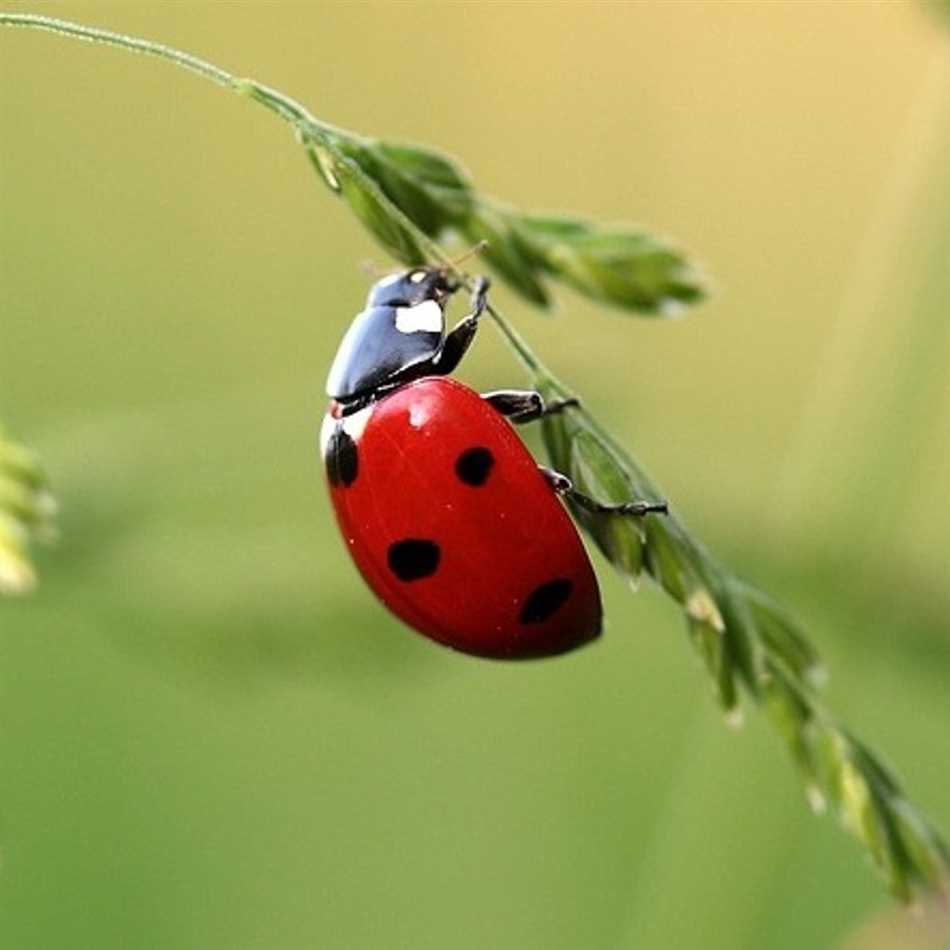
[446,514]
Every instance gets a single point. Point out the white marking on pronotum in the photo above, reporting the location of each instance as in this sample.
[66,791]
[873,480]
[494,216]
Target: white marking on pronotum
[417,276]
[423,317]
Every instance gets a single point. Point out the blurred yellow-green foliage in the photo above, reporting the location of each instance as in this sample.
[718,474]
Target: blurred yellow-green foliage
[212,736]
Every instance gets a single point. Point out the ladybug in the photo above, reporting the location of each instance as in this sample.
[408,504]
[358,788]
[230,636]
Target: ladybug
[447,515]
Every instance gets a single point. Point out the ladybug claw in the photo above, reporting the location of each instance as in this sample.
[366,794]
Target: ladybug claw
[479,297]
[559,405]
[641,508]
[565,487]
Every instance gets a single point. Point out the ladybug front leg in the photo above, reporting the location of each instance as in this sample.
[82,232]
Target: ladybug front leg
[525,405]
[565,487]
[460,339]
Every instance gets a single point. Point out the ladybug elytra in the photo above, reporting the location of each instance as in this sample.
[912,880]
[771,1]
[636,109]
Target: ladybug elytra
[446,514]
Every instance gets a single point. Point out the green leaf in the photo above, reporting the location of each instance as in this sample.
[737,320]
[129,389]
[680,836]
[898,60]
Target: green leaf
[370,207]
[673,566]
[864,806]
[548,227]
[618,266]
[862,813]
[744,643]
[913,843]
[323,161]
[793,716]
[18,499]
[625,268]
[441,178]
[872,766]
[536,234]
[558,430]
[927,855]
[709,640]
[403,189]
[782,636]
[19,464]
[595,472]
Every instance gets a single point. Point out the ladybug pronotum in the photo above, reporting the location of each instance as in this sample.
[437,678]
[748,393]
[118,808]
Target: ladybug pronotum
[448,517]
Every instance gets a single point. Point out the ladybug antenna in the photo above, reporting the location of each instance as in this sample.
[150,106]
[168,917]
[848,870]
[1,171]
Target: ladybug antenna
[471,252]
[370,267]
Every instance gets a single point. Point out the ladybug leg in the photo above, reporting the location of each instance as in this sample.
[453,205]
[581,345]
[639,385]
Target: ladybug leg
[565,487]
[459,339]
[525,405]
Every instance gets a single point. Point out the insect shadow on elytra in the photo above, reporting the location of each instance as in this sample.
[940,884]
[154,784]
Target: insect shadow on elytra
[448,517]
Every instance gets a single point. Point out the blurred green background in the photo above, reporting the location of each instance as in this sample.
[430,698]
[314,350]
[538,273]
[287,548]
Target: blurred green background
[212,735]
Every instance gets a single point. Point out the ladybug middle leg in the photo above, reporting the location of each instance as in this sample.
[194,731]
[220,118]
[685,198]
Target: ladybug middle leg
[565,487]
[525,405]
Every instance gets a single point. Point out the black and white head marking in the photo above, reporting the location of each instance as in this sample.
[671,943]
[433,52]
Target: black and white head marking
[411,287]
[425,317]
[399,333]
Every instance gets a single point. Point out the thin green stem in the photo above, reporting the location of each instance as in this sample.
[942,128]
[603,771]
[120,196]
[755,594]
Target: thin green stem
[291,111]
[37,21]
[308,127]
[516,342]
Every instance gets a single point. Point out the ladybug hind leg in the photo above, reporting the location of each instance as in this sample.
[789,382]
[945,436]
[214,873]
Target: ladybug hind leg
[565,488]
[525,405]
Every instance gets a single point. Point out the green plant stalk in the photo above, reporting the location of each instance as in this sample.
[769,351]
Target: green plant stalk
[745,639]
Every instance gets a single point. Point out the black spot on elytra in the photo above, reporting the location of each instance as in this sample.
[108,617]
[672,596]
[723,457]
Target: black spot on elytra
[342,458]
[414,558]
[474,466]
[545,601]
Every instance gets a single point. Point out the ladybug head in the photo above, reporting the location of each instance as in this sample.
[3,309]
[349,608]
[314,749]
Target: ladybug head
[396,337]
[412,287]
